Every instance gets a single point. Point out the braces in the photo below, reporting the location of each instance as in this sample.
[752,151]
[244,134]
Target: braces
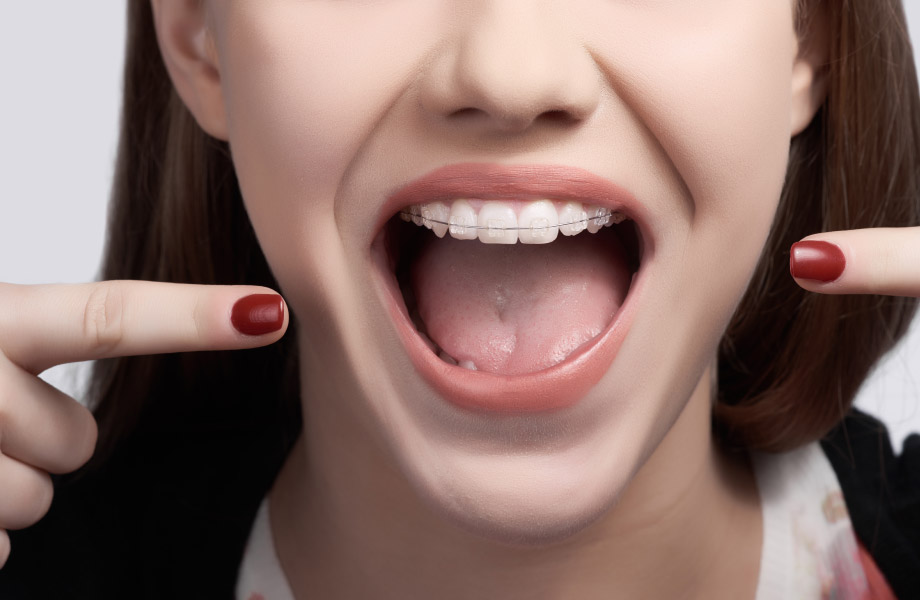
[602,220]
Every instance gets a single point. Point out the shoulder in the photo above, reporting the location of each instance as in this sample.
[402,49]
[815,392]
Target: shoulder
[882,494]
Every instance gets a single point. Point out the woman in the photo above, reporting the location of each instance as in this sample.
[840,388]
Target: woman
[455,414]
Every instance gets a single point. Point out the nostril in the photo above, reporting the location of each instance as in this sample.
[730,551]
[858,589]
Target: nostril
[510,122]
[558,117]
[551,117]
[465,113]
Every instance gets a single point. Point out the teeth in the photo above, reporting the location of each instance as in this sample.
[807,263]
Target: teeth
[447,358]
[598,217]
[438,216]
[425,211]
[573,216]
[497,223]
[506,222]
[428,341]
[539,223]
[415,211]
[462,221]
[463,364]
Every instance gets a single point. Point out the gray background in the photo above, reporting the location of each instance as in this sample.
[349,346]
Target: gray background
[60,77]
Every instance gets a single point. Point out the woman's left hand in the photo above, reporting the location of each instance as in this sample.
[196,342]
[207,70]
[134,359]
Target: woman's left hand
[859,261]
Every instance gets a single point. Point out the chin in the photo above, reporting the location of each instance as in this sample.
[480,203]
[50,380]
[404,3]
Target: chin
[522,501]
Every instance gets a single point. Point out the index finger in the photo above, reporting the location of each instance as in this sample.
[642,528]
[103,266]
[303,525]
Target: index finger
[46,325]
[859,261]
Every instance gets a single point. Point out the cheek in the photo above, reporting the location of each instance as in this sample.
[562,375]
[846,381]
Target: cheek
[721,112]
[723,118]
[305,85]
[712,86]
[712,90]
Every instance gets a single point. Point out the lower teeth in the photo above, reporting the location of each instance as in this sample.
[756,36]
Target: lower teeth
[463,364]
[447,358]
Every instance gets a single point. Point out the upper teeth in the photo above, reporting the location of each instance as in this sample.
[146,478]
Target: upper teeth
[504,222]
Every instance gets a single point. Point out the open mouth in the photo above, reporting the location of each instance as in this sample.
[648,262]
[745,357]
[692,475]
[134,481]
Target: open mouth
[507,297]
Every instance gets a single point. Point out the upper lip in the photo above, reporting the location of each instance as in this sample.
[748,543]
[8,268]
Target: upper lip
[487,181]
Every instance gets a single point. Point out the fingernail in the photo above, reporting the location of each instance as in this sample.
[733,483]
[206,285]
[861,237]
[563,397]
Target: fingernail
[818,261]
[258,314]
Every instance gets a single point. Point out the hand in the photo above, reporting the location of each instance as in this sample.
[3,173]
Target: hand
[860,261]
[44,431]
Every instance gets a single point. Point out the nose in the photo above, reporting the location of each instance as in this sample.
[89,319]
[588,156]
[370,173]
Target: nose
[510,65]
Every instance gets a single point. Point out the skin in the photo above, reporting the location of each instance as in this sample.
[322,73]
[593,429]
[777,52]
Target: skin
[627,492]
[426,502]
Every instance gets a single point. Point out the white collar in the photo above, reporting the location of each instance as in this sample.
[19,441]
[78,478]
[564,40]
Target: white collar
[261,577]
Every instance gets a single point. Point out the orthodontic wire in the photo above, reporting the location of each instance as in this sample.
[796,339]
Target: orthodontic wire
[582,222]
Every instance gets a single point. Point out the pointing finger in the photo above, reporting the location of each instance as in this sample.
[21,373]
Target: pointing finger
[46,325]
[860,261]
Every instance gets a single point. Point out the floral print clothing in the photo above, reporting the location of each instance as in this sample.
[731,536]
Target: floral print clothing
[810,551]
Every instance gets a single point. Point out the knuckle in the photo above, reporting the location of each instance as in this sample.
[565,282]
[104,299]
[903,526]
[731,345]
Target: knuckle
[4,547]
[78,443]
[103,317]
[885,267]
[38,500]
[85,444]
[4,418]
[29,499]
[6,408]
[198,318]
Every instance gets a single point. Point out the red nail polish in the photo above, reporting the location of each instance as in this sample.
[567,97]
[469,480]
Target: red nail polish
[258,314]
[818,261]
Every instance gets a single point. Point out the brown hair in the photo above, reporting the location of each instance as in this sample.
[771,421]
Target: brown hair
[789,364]
[791,361]
[176,214]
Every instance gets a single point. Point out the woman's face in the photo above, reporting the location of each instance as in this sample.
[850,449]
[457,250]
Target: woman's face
[677,115]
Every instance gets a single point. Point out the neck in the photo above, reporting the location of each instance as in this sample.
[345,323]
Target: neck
[347,525]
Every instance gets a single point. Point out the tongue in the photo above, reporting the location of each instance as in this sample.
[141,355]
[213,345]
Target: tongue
[513,309]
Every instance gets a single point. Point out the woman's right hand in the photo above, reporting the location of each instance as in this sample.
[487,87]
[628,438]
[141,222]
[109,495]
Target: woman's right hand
[44,431]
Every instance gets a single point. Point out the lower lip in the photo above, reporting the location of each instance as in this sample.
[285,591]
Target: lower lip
[558,387]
